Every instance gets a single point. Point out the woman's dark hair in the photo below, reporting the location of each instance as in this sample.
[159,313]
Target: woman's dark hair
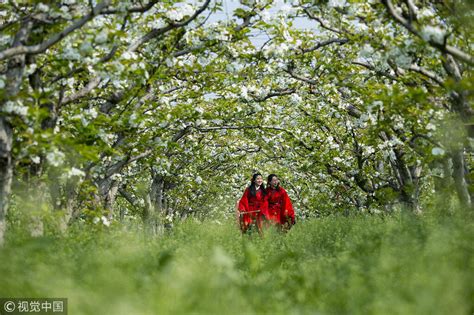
[253,188]
[269,179]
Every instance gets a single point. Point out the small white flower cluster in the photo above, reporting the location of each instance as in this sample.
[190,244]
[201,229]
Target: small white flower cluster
[295,99]
[367,150]
[117,177]
[35,159]
[42,7]
[276,50]
[63,12]
[425,13]
[177,14]
[400,55]
[55,157]
[156,23]
[108,138]
[337,3]
[433,33]
[70,53]
[128,55]
[15,107]
[431,126]
[217,33]
[267,17]
[75,172]
[437,151]
[253,91]
[101,37]
[102,219]
[234,67]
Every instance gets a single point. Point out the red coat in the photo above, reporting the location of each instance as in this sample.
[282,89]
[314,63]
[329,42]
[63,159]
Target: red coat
[253,203]
[280,209]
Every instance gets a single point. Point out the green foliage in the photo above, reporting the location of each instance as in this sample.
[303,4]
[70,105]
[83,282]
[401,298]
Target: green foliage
[398,264]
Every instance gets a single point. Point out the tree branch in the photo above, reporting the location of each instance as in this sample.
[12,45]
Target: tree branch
[453,51]
[39,48]
[160,31]
[325,43]
[137,9]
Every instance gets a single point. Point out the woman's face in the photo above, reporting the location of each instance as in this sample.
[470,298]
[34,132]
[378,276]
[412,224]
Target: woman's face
[258,180]
[275,181]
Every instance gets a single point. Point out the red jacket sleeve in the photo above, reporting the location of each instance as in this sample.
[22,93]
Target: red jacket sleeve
[288,207]
[244,201]
[264,209]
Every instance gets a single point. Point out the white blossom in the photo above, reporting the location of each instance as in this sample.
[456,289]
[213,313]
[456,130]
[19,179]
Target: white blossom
[295,99]
[15,108]
[437,151]
[43,7]
[425,13]
[366,51]
[55,157]
[105,221]
[129,55]
[431,126]
[403,60]
[76,172]
[337,3]
[433,33]
[35,159]
[71,54]
[266,16]
[177,14]
[101,37]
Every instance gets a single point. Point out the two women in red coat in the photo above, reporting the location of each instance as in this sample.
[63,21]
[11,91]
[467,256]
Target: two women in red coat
[271,204]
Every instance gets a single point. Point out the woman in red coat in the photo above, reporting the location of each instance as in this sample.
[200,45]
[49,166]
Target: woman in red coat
[280,209]
[253,204]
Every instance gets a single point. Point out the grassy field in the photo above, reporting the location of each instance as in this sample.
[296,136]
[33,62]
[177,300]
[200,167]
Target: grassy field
[398,264]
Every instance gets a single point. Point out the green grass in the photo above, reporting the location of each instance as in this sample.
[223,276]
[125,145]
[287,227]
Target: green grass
[399,264]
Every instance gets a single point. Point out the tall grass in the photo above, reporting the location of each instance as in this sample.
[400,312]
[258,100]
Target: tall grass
[398,264]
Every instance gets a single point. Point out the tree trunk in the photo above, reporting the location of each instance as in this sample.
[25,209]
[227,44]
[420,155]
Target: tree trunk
[459,173]
[5,172]
[460,105]
[14,76]
[156,200]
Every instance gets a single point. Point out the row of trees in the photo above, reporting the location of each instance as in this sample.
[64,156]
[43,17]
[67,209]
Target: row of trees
[147,109]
